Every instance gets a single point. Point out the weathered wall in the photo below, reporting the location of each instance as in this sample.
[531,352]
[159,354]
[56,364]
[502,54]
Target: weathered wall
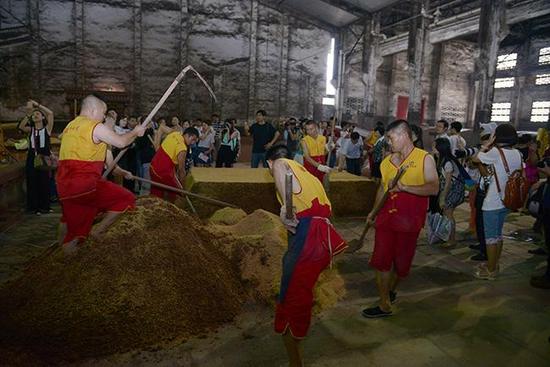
[452,81]
[254,56]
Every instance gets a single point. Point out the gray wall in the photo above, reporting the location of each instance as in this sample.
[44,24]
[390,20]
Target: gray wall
[254,56]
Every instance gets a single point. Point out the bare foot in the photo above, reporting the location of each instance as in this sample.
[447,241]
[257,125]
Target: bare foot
[70,248]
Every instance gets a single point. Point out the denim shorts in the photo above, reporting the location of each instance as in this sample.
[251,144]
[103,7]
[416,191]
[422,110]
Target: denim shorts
[493,221]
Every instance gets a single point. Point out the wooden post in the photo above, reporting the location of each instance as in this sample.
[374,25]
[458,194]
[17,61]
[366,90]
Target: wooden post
[418,30]
[371,60]
[252,54]
[492,29]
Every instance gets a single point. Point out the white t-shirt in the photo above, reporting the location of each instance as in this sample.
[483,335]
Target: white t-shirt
[457,142]
[450,167]
[207,139]
[493,199]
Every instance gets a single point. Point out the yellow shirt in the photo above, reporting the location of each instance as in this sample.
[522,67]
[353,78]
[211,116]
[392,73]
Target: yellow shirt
[413,176]
[312,189]
[77,142]
[373,138]
[315,147]
[173,145]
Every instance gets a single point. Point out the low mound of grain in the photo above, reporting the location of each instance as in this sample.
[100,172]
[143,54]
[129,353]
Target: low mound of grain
[156,276]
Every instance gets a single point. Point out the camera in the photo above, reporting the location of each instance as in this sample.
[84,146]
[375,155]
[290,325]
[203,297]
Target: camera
[543,163]
[466,153]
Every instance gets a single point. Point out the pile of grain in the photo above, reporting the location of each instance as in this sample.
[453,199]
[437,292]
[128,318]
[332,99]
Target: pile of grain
[257,244]
[156,276]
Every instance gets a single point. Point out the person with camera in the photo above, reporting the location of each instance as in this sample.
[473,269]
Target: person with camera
[543,281]
[498,153]
[229,144]
[292,136]
[38,124]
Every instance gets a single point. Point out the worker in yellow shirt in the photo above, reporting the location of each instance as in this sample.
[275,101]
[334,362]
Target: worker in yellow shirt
[168,164]
[312,243]
[315,148]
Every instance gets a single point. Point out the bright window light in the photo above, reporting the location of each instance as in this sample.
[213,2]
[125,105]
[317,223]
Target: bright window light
[544,56]
[328,101]
[542,79]
[500,112]
[330,90]
[540,111]
[508,61]
[504,82]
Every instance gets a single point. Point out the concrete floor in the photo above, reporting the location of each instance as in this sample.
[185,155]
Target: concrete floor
[444,316]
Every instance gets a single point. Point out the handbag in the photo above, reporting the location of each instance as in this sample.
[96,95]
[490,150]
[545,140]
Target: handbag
[534,201]
[439,228]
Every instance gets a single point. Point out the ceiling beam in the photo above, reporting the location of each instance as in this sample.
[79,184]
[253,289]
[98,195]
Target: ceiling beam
[348,7]
[466,24]
[303,16]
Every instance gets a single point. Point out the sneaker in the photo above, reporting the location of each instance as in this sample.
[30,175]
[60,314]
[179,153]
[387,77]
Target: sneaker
[393,297]
[479,257]
[38,213]
[475,247]
[485,274]
[542,281]
[375,312]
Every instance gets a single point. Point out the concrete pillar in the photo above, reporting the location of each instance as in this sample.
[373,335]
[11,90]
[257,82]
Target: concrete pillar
[252,59]
[433,112]
[418,30]
[78,27]
[492,29]
[138,45]
[521,72]
[183,56]
[36,53]
[283,66]
[371,60]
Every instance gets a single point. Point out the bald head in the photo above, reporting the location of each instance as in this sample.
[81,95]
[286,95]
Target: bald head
[93,108]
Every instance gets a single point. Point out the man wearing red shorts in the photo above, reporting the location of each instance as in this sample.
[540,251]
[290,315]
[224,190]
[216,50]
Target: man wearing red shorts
[169,158]
[403,215]
[83,193]
[312,242]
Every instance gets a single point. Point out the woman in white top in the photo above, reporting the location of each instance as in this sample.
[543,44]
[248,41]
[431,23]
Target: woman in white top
[499,146]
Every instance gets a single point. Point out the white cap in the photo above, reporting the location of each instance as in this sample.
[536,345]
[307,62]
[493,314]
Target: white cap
[488,128]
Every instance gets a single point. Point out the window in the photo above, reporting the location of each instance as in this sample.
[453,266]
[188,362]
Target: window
[328,101]
[329,88]
[501,112]
[544,56]
[540,111]
[542,79]
[508,61]
[504,82]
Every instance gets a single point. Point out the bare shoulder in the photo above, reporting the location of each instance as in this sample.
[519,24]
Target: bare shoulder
[280,165]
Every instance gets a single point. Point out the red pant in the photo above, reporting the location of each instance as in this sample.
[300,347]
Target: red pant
[393,249]
[313,170]
[169,180]
[294,314]
[79,212]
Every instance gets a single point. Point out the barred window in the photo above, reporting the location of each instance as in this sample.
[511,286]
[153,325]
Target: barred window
[540,111]
[508,61]
[500,112]
[544,56]
[542,79]
[504,82]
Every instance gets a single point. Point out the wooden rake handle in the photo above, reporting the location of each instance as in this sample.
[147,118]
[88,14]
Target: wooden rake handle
[184,192]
